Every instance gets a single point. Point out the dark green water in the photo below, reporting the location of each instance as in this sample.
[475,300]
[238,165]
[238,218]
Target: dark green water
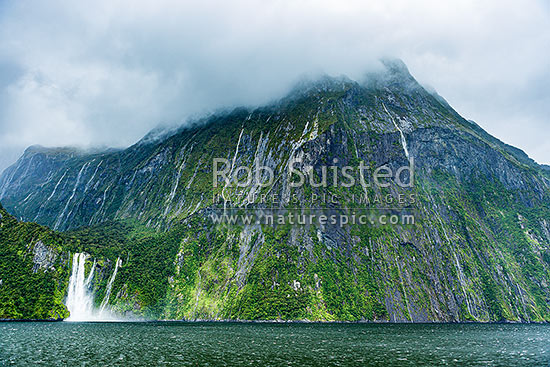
[236,344]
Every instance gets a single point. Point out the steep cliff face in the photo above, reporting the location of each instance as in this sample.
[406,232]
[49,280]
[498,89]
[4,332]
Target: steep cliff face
[478,249]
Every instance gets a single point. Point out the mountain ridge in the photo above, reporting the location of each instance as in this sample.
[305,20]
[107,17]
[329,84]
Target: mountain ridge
[479,250]
[346,85]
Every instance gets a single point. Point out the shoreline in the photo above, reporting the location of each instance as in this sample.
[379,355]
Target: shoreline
[280,322]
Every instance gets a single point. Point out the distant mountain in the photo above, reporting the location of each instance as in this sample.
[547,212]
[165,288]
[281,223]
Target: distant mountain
[478,250]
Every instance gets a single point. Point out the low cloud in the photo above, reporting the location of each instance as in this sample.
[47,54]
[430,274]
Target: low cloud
[107,73]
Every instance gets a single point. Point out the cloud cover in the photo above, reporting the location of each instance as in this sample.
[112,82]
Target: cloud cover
[73,73]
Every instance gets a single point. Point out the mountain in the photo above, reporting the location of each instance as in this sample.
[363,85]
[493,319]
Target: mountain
[478,248]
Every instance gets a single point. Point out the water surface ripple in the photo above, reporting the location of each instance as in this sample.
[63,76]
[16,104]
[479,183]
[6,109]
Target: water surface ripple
[265,344]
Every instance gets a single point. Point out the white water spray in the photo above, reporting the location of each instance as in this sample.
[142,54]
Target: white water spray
[80,299]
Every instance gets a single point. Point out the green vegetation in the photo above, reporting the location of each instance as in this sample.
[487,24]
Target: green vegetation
[28,291]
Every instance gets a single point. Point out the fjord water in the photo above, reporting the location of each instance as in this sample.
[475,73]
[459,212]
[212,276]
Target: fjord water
[266,344]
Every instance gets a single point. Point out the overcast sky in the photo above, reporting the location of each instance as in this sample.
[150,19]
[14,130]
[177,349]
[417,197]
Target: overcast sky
[73,73]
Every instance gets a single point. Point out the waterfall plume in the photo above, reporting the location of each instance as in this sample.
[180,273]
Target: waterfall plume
[80,298]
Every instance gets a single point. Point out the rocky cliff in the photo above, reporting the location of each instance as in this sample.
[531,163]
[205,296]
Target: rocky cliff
[477,250]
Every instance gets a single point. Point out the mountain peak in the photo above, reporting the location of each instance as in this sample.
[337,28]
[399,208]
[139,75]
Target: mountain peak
[320,84]
[396,66]
[394,76]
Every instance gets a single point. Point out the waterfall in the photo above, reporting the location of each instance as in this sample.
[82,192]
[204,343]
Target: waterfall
[109,286]
[80,298]
[403,140]
[91,275]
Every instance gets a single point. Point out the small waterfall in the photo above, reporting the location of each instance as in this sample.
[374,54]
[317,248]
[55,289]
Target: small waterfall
[80,299]
[403,140]
[109,286]
[91,275]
